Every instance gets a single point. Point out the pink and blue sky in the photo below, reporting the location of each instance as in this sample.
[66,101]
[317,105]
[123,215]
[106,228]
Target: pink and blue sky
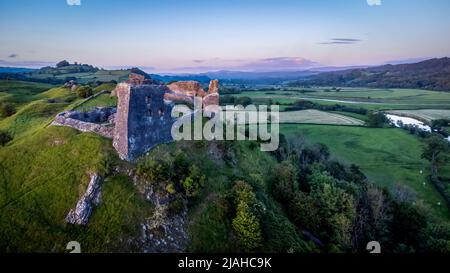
[208,35]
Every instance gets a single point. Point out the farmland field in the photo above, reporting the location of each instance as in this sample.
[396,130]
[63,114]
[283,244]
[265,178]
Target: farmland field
[318,117]
[373,99]
[424,114]
[388,156]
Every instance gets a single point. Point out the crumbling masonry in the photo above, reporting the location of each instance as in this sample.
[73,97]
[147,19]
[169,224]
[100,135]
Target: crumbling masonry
[143,118]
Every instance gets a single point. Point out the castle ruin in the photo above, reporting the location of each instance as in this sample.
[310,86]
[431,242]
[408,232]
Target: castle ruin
[143,117]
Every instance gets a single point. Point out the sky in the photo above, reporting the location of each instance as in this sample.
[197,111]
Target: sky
[187,36]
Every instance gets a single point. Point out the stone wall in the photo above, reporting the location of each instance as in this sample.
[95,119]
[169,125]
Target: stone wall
[143,119]
[185,91]
[99,121]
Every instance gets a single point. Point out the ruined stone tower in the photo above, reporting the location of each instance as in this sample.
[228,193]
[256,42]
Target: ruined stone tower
[143,117]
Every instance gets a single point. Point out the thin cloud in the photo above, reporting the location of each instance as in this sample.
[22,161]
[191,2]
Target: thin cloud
[74,2]
[345,40]
[374,2]
[341,41]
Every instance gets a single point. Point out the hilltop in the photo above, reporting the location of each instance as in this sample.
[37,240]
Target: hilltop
[64,72]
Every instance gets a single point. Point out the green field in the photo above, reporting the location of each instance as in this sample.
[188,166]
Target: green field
[102,100]
[19,93]
[83,78]
[318,117]
[310,117]
[387,156]
[373,99]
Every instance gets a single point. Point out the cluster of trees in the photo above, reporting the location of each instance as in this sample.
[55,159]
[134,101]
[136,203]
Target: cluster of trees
[175,171]
[304,104]
[437,151]
[232,100]
[64,67]
[337,208]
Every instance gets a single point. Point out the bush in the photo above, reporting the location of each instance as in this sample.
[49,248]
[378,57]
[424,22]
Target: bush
[84,91]
[7,109]
[286,181]
[246,227]
[152,170]
[376,120]
[244,101]
[4,138]
[194,182]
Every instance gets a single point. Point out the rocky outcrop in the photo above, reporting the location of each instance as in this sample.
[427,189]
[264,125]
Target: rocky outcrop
[91,198]
[100,121]
[165,231]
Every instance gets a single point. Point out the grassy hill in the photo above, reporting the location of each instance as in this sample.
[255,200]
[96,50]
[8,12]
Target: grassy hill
[223,185]
[431,74]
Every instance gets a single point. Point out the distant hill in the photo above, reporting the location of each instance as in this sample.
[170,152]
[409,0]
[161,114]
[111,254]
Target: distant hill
[64,71]
[15,70]
[433,74]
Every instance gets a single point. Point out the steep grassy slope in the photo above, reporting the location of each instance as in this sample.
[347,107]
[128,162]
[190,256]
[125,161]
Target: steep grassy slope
[42,177]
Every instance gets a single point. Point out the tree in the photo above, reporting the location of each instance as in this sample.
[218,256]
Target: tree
[246,227]
[244,101]
[7,109]
[436,151]
[376,120]
[304,212]
[285,183]
[84,91]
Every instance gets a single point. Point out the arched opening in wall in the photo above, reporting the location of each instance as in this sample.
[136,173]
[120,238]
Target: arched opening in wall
[148,103]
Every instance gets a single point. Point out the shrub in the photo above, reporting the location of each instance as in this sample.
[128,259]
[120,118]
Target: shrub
[5,137]
[151,170]
[244,101]
[194,182]
[7,109]
[84,91]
